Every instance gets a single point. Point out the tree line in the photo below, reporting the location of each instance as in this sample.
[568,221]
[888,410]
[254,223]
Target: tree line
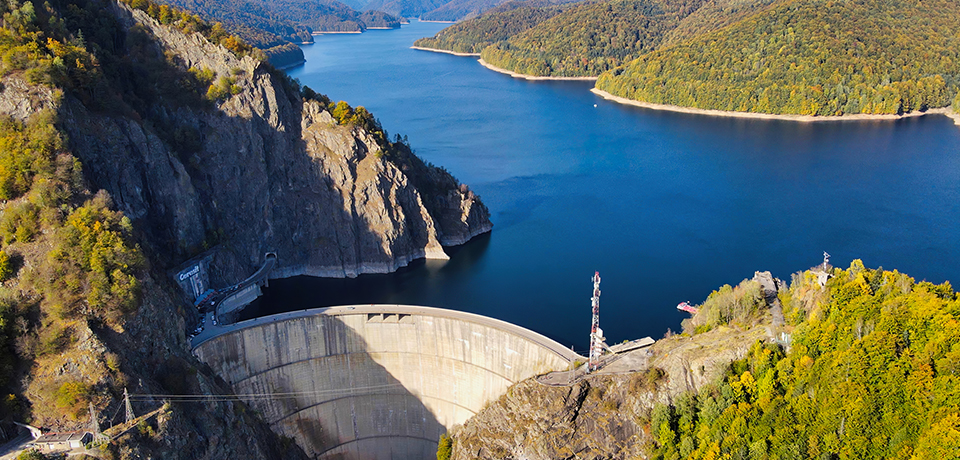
[871,371]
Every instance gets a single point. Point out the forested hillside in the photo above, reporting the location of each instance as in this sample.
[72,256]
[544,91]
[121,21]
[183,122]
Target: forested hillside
[507,20]
[872,372]
[248,19]
[809,57]
[459,10]
[590,38]
[446,10]
[328,15]
[796,57]
[405,8]
[294,20]
[275,25]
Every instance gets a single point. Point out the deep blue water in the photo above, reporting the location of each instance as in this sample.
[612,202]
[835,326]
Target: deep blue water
[667,206]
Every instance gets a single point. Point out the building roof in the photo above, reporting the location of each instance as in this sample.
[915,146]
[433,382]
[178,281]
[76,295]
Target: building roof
[62,437]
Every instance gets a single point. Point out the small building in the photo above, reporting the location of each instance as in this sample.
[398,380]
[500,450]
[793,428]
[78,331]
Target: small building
[51,442]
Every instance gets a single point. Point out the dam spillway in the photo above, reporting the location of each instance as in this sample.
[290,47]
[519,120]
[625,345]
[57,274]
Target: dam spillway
[375,381]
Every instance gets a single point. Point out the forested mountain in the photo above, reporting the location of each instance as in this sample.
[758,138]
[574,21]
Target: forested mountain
[405,8]
[590,38]
[249,19]
[293,20]
[809,57]
[460,10]
[446,10]
[328,15]
[505,21]
[798,57]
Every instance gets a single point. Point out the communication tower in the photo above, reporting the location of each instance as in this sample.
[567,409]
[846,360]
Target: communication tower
[596,334]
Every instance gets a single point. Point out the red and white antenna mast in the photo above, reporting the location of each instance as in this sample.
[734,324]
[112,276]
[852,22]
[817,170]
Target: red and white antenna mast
[596,334]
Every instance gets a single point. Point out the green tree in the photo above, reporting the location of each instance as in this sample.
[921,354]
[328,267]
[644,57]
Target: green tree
[445,447]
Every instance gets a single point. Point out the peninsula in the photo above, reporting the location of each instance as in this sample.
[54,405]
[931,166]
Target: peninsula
[793,58]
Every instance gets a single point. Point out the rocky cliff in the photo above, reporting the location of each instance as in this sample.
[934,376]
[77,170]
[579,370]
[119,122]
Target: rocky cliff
[266,170]
[603,416]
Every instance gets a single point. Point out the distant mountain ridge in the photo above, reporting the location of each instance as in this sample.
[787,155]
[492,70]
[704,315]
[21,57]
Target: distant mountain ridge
[293,20]
[446,10]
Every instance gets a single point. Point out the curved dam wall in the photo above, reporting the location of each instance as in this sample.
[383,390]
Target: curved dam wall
[375,381]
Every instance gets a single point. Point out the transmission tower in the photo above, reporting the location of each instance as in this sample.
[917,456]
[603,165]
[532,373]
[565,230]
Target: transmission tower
[596,334]
[129,407]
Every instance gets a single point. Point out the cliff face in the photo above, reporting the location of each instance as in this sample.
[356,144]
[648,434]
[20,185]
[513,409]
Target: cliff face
[266,171]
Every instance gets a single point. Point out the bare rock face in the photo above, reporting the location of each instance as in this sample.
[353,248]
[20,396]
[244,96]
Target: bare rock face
[267,172]
[20,99]
[603,416]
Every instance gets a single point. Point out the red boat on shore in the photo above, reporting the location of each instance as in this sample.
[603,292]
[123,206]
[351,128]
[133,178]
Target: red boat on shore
[685,306]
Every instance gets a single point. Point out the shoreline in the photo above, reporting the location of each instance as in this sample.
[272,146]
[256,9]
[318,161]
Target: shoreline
[290,66]
[953,115]
[770,116]
[436,22]
[531,77]
[337,32]
[435,50]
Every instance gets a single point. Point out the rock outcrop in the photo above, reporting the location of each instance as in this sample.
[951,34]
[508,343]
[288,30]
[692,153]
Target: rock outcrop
[266,171]
[603,416]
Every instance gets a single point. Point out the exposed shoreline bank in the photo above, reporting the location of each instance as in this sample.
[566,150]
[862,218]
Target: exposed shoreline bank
[435,50]
[531,77]
[769,116]
[292,65]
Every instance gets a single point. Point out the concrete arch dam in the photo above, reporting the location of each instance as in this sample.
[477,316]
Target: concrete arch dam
[375,381]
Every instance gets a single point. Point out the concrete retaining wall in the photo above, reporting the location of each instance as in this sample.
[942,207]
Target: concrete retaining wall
[376,382]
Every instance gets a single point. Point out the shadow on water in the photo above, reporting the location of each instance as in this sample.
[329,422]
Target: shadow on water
[404,286]
[346,405]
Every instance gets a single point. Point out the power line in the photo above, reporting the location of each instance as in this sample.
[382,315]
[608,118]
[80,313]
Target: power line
[256,396]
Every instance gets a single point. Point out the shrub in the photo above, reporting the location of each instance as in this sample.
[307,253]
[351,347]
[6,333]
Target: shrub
[72,397]
[31,454]
[444,447]
[6,268]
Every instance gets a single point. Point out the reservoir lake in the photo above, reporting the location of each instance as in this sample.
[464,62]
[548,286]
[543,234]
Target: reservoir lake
[666,206]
